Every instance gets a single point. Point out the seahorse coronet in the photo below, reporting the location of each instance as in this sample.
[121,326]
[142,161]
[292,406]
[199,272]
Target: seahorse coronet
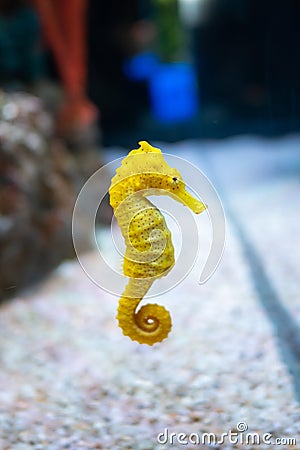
[149,251]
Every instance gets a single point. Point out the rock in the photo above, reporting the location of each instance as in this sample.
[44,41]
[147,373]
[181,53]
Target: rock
[40,176]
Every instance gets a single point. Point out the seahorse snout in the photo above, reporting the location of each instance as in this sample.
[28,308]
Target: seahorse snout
[187,199]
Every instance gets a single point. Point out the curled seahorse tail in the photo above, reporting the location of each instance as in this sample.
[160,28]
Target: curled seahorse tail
[151,323]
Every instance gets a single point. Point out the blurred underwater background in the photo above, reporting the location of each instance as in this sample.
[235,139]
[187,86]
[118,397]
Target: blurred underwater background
[210,82]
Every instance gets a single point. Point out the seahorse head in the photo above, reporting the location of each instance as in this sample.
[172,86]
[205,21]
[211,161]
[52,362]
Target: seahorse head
[145,169]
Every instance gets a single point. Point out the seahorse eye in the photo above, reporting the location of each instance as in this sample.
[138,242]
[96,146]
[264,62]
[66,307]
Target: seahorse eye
[175,178]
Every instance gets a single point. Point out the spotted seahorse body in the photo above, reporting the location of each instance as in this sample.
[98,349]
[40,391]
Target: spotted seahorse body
[149,250]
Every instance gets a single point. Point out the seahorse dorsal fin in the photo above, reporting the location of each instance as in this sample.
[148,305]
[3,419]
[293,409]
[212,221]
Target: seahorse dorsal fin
[144,159]
[147,148]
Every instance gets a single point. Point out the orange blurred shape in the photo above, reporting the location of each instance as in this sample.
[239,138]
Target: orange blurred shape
[64,25]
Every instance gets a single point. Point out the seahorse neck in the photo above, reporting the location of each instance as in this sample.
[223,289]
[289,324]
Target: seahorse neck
[133,191]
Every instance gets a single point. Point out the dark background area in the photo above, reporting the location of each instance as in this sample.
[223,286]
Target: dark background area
[246,55]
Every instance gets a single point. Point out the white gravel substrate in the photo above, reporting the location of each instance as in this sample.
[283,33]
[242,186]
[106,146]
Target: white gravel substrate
[263,191]
[69,379]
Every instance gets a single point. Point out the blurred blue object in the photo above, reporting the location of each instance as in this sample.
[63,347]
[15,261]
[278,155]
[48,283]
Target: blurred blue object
[141,66]
[173,92]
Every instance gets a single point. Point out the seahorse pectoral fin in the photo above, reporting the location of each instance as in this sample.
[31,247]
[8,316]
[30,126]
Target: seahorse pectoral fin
[151,323]
[187,199]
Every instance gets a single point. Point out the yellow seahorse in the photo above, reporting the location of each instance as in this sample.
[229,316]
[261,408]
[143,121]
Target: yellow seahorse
[149,250]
